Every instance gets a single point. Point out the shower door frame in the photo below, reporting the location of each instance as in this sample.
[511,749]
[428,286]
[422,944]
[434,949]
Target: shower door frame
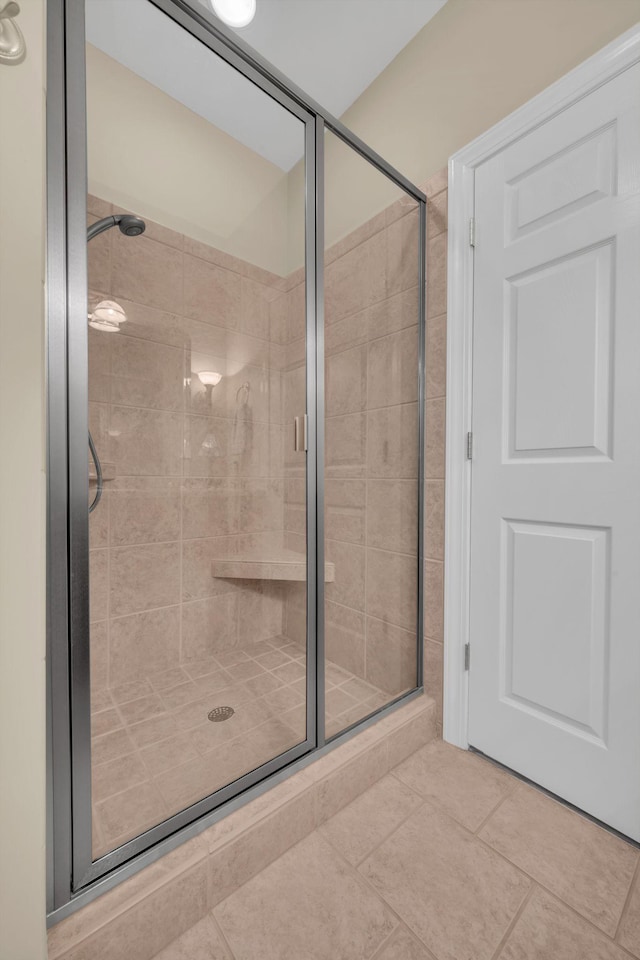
[73,877]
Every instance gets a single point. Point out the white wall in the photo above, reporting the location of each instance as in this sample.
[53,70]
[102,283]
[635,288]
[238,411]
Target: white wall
[22,499]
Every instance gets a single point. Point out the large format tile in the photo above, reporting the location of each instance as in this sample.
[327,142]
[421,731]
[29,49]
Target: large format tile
[308,904]
[366,822]
[587,867]
[403,946]
[458,896]
[547,930]
[629,933]
[202,942]
[466,787]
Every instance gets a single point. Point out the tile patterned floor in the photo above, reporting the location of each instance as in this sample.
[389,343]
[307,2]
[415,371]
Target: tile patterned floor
[155,752]
[447,858]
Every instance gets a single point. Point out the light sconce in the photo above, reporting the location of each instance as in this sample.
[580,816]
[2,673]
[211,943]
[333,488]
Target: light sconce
[107,316]
[209,378]
[236,13]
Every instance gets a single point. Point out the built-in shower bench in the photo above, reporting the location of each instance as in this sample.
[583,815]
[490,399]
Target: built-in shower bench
[284,565]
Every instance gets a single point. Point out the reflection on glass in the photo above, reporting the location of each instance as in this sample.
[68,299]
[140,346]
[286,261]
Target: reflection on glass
[198,545]
[371,438]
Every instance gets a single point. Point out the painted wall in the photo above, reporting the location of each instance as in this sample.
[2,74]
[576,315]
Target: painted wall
[473,64]
[22,500]
[150,154]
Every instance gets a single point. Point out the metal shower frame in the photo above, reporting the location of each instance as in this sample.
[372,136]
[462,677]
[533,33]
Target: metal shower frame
[73,878]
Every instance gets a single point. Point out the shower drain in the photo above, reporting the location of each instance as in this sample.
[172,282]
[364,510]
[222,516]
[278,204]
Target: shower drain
[220,713]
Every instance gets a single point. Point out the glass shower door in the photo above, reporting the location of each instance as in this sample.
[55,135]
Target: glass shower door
[197,390]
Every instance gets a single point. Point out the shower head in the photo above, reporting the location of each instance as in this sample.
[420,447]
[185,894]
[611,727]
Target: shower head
[129,225]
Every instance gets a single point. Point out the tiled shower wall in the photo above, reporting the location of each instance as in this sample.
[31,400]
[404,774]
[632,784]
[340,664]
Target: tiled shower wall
[370,450]
[195,476]
[154,600]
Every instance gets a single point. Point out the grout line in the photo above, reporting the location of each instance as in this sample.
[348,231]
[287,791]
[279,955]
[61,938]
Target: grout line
[634,881]
[514,921]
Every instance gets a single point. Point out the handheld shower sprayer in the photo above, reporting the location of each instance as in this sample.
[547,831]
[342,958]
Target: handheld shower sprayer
[129,226]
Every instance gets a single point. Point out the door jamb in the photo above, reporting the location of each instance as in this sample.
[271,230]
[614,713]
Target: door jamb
[597,70]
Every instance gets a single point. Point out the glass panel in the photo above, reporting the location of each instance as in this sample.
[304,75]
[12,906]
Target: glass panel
[371,438]
[196,371]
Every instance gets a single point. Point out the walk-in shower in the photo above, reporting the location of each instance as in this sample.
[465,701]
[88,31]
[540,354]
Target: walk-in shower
[250,589]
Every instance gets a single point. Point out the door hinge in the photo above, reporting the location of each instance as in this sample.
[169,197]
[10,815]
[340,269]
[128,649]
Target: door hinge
[467,655]
[469,446]
[472,232]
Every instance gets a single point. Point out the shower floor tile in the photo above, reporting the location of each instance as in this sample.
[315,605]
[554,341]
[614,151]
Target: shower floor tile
[155,751]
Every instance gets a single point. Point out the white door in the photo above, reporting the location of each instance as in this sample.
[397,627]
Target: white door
[555,503]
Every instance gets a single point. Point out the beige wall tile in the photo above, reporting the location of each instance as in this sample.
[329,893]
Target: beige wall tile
[347,781]
[392,515]
[142,577]
[434,600]
[150,323]
[141,640]
[391,657]
[349,585]
[211,508]
[99,260]
[433,672]
[345,511]
[434,519]
[261,505]
[147,271]
[208,625]
[391,588]
[211,294]
[346,382]
[395,313]
[437,213]
[437,276]
[146,442]
[392,369]
[356,280]
[435,439]
[146,374]
[402,252]
[392,450]
[436,356]
[346,445]
[345,638]
[144,509]
[98,584]
[99,653]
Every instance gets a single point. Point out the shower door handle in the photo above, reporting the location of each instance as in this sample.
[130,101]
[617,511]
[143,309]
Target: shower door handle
[300,434]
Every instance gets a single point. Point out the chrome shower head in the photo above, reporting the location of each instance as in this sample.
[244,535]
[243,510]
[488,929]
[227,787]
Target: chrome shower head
[129,225]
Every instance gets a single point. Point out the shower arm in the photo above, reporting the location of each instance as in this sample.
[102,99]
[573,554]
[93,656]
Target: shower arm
[99,479]
[130,226]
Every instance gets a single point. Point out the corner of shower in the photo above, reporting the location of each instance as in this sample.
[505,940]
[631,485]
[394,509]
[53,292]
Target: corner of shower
[235,569]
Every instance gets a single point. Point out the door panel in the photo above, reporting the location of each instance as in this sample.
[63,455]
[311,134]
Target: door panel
[555,555]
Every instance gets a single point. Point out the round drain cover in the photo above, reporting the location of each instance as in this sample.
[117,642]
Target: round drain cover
[220,713]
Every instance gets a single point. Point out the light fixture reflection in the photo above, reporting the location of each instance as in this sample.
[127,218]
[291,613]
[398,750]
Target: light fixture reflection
[210,378]
[237,13]
[107,316]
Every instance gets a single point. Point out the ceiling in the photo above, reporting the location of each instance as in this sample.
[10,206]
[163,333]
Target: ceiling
[332,49]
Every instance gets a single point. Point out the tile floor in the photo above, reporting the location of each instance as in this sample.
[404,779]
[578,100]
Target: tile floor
[155,752]
[446,858]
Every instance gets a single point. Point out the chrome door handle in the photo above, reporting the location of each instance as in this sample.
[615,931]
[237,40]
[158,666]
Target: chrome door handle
[300,433]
